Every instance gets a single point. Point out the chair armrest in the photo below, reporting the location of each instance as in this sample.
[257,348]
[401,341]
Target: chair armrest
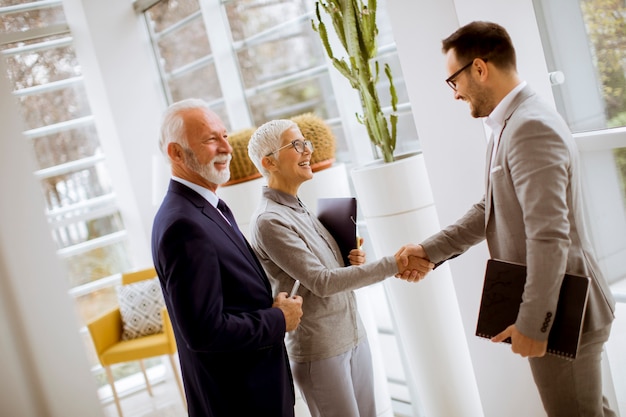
[168,329]
[106,330]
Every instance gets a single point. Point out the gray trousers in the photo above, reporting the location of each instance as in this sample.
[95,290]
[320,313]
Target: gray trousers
[574,388]
[341,386]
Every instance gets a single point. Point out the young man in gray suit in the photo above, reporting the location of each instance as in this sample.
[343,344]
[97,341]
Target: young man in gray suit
[531,214]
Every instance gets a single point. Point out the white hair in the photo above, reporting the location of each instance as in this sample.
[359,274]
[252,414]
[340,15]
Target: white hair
[173,125]
[266,139]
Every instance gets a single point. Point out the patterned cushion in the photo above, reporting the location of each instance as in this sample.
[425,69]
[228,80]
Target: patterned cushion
[140,304]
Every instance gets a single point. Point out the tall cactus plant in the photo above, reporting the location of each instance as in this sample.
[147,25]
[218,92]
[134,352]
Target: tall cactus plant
[355,25]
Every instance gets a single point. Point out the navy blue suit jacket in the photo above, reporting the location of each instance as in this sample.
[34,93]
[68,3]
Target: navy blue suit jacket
[230,341]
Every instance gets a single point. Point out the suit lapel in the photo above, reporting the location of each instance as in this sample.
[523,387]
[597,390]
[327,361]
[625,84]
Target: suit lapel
[488,177]
[214,215]
[522,96]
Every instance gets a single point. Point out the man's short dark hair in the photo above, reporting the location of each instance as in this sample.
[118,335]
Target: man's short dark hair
[484,40]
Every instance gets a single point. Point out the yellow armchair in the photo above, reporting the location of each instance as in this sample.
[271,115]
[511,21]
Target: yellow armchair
[106,333]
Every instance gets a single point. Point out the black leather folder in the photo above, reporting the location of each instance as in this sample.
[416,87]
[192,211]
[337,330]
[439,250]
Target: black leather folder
[338,215]
[502,296]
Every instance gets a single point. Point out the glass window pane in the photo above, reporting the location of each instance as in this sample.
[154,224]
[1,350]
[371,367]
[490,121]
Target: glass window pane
[385,32]
[585,40]
[168,12]
[76,187]
[605,22]
[267,61]
[398,80]
[32,19]
[249,17]
[310,95]
[51,107]
[59,148]
[39,67]
[407,140]
[81,231]
[93,265]
[184,46]
[341,144]
[200,83]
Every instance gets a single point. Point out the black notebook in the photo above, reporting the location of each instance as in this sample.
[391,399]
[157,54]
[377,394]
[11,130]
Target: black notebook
[502,296]
[338,215]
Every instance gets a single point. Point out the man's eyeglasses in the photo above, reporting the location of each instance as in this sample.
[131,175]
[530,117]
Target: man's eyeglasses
[297,144]
[451,79]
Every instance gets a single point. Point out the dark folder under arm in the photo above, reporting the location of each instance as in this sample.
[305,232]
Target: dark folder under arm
[502,296]
[338,215]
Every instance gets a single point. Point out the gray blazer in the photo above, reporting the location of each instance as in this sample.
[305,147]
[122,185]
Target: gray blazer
[292,244]
[532,213]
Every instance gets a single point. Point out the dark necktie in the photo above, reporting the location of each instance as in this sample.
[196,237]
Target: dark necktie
[221,205]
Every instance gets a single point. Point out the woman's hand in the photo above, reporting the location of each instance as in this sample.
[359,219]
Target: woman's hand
[356,257]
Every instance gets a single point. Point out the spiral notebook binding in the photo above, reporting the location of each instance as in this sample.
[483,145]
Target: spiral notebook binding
[560,354]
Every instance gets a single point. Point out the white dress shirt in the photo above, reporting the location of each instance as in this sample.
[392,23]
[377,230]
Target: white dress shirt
[495,120]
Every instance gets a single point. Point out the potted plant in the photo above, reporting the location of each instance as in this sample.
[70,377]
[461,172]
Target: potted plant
[397,202]
[355,26]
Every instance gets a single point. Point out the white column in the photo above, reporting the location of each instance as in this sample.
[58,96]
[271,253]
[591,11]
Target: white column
[44,367]
[397,203]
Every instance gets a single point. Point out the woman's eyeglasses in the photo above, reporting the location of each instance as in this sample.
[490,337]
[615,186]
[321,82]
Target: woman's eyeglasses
[297,144]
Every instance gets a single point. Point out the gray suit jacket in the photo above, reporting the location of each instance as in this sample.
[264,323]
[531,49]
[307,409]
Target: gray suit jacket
[532,214]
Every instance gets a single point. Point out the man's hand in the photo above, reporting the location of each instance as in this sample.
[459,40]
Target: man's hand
[291,308]
[413,263]
[522,345]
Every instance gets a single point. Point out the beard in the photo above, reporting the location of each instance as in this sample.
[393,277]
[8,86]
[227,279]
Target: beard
[208,171]
[479,108]
[479,103]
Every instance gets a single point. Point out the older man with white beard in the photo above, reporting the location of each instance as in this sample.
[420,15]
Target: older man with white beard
[229,330]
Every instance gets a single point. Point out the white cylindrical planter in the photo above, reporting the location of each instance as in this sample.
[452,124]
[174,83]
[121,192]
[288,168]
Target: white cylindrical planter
[384,408]
[243,199]
[327,183]
[396,201]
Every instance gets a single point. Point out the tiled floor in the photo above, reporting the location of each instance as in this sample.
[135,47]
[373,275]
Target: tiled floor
[165,402]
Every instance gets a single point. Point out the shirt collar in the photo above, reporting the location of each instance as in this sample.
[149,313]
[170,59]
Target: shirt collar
[284,199]
[207,194]
[495,120]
